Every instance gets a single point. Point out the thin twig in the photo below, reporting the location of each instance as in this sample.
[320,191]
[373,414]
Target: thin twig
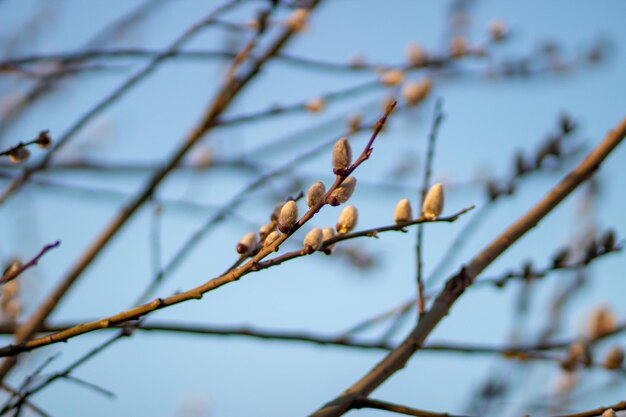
[430,155]
[399,409]
[17,272]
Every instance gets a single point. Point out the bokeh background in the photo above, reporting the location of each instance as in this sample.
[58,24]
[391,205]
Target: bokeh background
[490,114]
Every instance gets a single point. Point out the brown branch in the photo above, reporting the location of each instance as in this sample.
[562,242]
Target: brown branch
[17,272]
[112,98]
[363,233]
[194,293]
[399,409]
[223,99]
[457,284]
[598,411]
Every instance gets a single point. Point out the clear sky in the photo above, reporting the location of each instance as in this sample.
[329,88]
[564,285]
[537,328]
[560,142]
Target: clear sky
[487,120]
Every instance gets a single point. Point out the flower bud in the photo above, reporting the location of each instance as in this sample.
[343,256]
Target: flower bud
[433,202]
[347,220]
[392,77]
[402,214]
[265,230]
[19,155]
[328,233]
[297,20]
[342,154]
[415,54]
[43,140]
[342,193]
[416,92]
[288,216]
[601,322]
[313,240]
[614,358]
[609,412]
[247,244]
[354,122]
[315,195]
[458,47]
[271,238]
[315,105]
[497,30]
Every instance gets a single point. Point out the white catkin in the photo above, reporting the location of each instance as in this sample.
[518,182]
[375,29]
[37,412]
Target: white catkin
[342,193]
[402,213]
[313,240]
[433,202]
[416,92]
[614,358]
[288,216]
[601,322]
[315,195]
[327,233]
[609,413]
[392,77]
[247,243]
[347,220]
[342,154]
[271,238]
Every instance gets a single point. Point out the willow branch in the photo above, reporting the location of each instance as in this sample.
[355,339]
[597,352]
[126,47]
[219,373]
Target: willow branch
[399,409]
[18,271]
[457,284]
[223,99]
[198,292]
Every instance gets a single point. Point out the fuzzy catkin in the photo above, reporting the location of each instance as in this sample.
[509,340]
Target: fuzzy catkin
[433,202]
[271,238]
[342,154]
[313,240]
[288,216]
[315,195]
[328,233]
[402,213]
[347,220]
[247,244]
[342,193]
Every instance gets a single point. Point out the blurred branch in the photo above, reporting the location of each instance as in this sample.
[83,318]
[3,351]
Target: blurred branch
[457,284]
[13,273]
[398,409]
[195,293]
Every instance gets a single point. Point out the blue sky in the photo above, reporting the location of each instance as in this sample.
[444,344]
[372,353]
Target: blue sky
[487,120]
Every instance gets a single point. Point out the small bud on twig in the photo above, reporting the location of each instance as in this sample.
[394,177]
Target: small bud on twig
[433,202]
[315,105]
[247,244]
[415,55]
[315,195]
[609,412]
[392,77]
[288,216]
[19,155]
[313,240]
[347,220]
[601,322]
[271,238]
[328,233]
[43,140]
[497,30]
[614,358]
[416,92]
[402,213]
[297,20]
[342,193]
[265,230]
[342,155]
